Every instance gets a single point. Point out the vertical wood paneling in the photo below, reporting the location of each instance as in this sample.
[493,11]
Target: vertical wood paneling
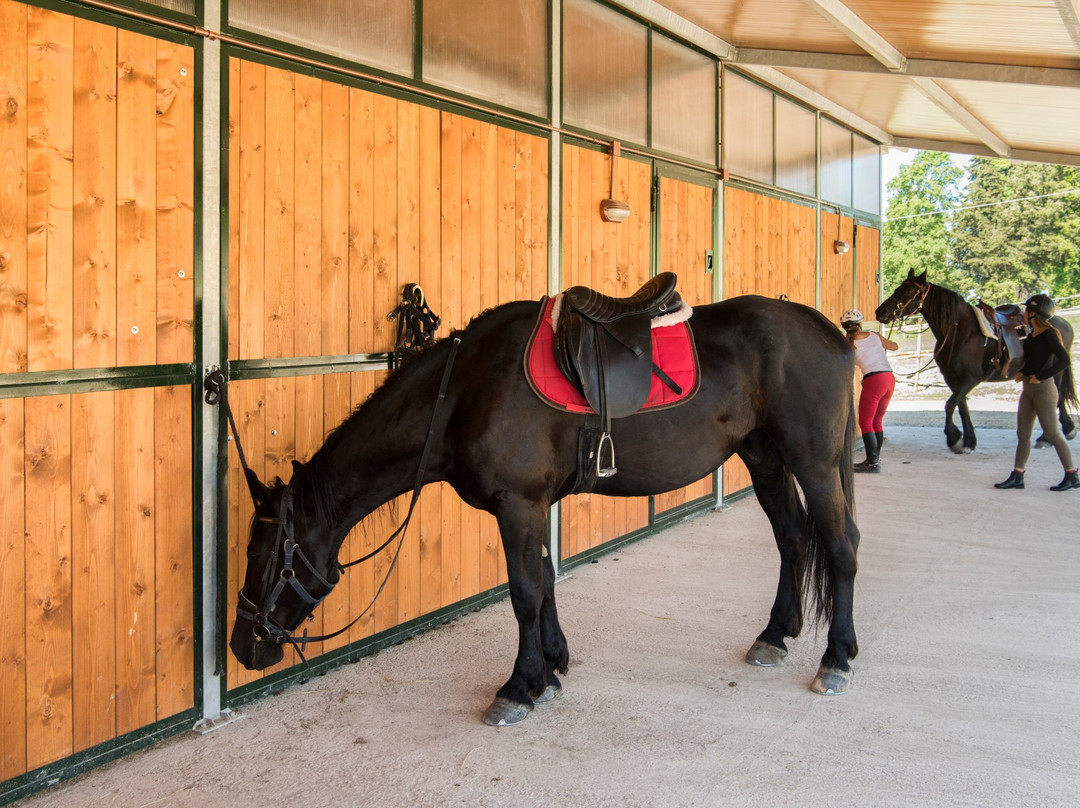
[362,198]
[867,258]
[279,212]
[96,171]
[13,601]
[384,188]
[93,564]
[334,214]
[175,202]
[13,188]
[173,553]
[95,196]
[249,256]
[49,704]
[136,193]
[837,271]
[136,634]
[308,194]
[50,122]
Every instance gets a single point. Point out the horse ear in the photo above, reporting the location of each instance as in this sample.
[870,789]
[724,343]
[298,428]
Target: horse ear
[911,274]
[260,494]
[922,278]
[296,466]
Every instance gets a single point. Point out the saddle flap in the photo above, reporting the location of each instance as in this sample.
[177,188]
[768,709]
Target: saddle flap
[614,377]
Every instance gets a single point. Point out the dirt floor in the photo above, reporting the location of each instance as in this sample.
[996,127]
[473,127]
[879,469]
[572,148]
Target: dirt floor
[967,687]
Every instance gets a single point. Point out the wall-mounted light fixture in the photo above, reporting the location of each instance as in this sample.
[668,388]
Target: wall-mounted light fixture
[839,246]
[612,209]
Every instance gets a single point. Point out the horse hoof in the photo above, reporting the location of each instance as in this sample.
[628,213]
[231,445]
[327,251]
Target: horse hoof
[765,655]
[505,713]
[551,692]
[831,681]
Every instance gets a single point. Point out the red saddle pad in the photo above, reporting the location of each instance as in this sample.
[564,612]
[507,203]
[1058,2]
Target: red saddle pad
[673,352]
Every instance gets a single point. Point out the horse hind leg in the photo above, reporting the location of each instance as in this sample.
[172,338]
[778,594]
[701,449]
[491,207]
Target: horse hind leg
[775,490]
[834,541]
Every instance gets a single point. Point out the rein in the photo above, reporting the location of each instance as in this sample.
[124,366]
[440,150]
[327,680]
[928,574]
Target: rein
[266,628]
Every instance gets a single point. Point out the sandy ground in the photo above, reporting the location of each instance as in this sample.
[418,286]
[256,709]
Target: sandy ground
[967,687]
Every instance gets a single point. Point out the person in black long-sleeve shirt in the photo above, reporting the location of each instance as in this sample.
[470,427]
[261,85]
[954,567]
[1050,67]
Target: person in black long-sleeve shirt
[1044,357]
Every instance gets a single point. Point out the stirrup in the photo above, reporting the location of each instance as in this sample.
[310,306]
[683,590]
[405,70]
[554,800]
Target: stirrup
[609,471]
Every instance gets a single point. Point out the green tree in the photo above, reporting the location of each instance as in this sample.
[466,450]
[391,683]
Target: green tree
[928,184]
[1018,230]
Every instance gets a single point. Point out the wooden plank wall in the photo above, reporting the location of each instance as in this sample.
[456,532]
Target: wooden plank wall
[867,248]
[686,234]
[338,198]
[769,249]
[96,258]
[837,271]
[97,569]
[614,258]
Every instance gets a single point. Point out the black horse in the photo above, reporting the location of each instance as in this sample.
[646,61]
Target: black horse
[963,354]
[776,387]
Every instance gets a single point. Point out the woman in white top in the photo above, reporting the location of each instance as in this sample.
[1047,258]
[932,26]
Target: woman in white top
[878,383]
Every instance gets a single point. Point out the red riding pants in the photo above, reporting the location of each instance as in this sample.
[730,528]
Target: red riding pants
[877,390]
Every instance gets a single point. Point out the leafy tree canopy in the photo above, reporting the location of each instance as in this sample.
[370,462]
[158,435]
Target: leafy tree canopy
[1000,230]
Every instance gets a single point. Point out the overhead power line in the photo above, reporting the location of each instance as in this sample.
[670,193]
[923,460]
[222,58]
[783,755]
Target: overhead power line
[983,205]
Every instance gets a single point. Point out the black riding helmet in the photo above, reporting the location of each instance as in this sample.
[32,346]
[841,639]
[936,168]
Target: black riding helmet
[1041,306]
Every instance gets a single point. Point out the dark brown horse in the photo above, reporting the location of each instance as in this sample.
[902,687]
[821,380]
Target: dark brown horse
[776,388]
[963,354]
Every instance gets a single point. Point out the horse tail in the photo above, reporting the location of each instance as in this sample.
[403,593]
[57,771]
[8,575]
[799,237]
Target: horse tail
[1067,389]
[817,575]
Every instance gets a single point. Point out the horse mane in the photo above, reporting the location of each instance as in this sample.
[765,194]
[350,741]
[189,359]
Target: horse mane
[314,485]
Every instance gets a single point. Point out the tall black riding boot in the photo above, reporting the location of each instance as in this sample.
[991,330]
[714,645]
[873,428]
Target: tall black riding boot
[871,464]
[1016,480]
[880,442]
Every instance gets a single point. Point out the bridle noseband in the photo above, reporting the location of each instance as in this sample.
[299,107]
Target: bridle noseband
[901,310]
[265,628]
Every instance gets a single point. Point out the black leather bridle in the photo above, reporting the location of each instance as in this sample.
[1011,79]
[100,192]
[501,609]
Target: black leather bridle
[265,627]
[901,310]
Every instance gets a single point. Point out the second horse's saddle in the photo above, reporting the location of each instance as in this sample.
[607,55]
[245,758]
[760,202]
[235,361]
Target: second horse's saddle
[1007,322]
[604,346]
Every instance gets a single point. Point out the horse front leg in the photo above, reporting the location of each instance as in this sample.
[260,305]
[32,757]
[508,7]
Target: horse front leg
[953,436]
[968,426]
[522,525]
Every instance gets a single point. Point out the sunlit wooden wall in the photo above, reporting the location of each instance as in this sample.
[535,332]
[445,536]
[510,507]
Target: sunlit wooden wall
[96,254]
[338,198]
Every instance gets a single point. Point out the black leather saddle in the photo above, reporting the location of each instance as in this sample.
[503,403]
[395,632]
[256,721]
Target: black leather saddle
[1007,322]
[604,346]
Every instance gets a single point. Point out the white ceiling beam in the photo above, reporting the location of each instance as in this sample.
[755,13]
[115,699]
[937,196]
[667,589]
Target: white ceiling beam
[926,68]
[878,47]
[1070,15]
[978,149]
[932,90]
[853,26]
[654,13]
[788,85]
